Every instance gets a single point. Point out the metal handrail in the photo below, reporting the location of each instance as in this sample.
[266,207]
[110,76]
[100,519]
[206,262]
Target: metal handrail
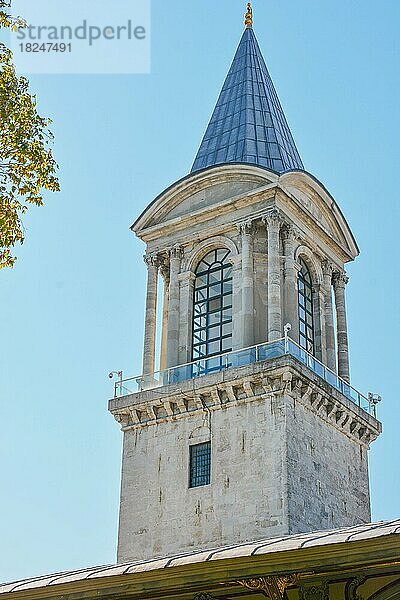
[343,384]
[290,348]
[193,362]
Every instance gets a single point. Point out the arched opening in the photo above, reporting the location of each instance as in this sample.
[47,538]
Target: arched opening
[212,310]
[306,309]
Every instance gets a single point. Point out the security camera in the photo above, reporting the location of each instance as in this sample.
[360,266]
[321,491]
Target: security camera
[374,398]
[119,373]
[287,328]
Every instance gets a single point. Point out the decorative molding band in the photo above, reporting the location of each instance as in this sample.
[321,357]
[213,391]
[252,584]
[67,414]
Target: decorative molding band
[273,586]
[351,592]
[273,384]
[314,592]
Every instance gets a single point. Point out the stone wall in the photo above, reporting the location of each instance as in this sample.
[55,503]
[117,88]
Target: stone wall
[327,474]
[289,455]
[160,515]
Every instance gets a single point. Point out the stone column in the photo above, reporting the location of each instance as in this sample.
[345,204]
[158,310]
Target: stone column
[164,269]
[246,231]
[319,323]
[290,288]
[275,328]
[329,324]
[149,348]
[339,283]
[237,324]
[173,313]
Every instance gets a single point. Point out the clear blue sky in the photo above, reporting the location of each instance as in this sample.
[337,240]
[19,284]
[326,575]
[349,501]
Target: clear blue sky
[72,309]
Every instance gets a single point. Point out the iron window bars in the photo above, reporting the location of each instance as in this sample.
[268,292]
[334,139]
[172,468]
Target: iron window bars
[200,465]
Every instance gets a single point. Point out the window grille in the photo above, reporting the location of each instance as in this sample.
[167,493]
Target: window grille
[306,309]
[212,311]
[200,465]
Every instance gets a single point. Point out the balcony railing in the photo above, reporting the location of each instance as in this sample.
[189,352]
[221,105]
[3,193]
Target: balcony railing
[241,358]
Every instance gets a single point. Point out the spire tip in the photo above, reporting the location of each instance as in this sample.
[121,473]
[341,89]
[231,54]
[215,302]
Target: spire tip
[248,17]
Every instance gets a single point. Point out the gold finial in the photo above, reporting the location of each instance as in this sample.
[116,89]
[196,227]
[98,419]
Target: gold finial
[248,17]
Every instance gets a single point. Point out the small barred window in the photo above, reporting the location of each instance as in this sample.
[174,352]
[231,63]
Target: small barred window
[200,465]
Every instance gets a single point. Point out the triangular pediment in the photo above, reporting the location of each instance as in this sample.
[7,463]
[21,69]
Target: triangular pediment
[202,191]
[318,206]
[246,192]
[210,195]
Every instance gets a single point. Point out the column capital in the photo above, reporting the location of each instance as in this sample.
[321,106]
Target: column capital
[327,267]
[152,260]
[246,227]
[165,268]
[273,218]
[176,252]
[340,279]
[290,232]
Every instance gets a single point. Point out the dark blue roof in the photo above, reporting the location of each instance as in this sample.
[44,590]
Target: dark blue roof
[248,124]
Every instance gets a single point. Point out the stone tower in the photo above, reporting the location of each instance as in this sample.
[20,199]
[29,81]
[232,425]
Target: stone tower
[249,427]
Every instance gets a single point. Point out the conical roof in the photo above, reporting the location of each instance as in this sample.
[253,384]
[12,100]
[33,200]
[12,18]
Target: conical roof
[248,124]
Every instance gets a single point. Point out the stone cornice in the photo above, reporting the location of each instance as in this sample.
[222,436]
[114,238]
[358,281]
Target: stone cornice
[281,377]
[151,225]
[279,197]
[203,215]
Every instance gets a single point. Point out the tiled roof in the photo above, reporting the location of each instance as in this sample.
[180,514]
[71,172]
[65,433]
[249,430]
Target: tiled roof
[263,547]
[248,124]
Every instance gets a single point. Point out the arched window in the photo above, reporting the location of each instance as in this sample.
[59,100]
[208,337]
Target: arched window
[306,314]
[212,313]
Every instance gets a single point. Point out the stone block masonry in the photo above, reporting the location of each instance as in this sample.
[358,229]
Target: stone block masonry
[288,455]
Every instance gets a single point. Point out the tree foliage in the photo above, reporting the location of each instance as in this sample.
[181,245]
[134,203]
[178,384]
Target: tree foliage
[27,165]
